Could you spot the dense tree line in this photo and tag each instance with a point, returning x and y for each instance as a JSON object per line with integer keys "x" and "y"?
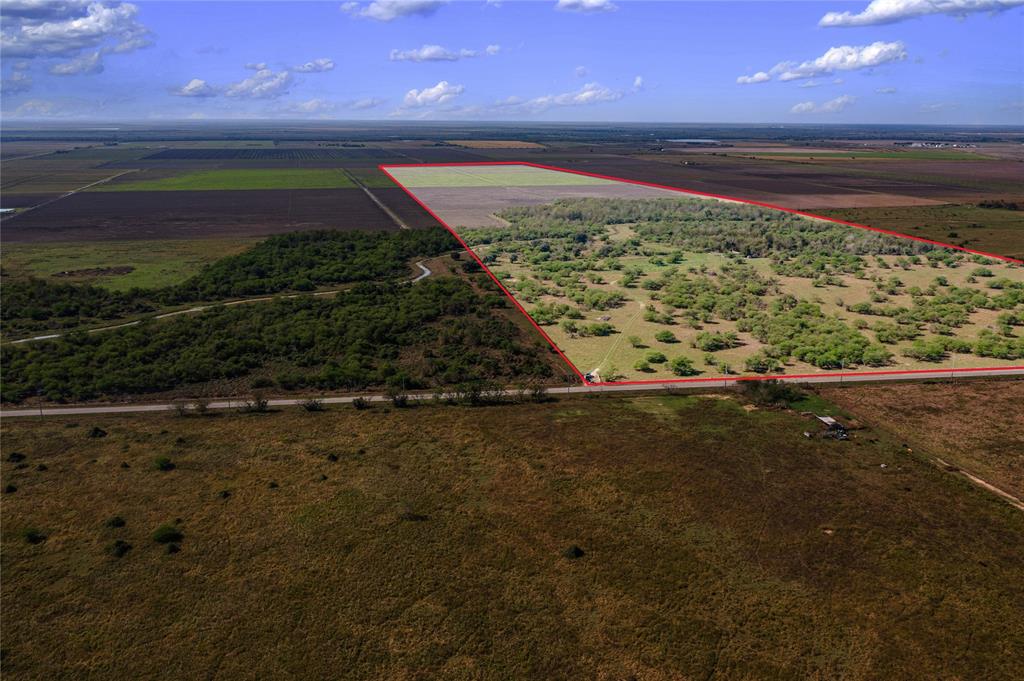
{"x": 440, "y": 331}
{"x": 300, "y": 261}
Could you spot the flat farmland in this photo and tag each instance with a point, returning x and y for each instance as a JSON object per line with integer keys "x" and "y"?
{"x": 115, "y": 216}
{"x": 638, "y": 283}
{"x": 236, "y": 179}
{"x": 995, "y": 230}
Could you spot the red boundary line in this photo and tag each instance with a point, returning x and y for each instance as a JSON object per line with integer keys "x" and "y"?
{"x": 901, "y": 372}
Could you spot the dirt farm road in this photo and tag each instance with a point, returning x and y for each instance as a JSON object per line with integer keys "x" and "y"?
{"x": 607, "y": 388}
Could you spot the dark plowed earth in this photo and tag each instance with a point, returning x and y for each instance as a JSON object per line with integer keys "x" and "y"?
{"x": 102, "y": 216}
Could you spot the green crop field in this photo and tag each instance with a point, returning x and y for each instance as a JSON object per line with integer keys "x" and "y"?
{"x": 241, "y": 178}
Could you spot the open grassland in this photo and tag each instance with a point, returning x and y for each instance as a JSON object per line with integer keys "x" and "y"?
{"x": 117, "y": 265}
{"x": 972, "y": 424}
{"x": 993, "y": 230}
{"x": 429, "y": 543}
{"x": 239, "y": 179}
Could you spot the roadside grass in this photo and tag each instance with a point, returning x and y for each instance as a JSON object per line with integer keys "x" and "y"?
{"x": 715, "y": 541}
{"x": 992, "y": 230}
{"x": 238, "y": 179}
{"x": 154, "y": 263}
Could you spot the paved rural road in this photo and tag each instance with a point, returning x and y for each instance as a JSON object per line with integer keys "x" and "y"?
{"x": 611, "y": 388}
{"x": 424, "y": 273}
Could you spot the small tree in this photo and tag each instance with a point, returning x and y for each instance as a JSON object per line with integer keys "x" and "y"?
{"x": 665, "y": 337}
{"x": 312, "y": 404}
{"x": 682, "y": 366}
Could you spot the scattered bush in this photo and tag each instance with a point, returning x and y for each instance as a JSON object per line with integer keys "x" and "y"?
{"x": 33, "y": 536}
{"x": 312, "y": 404}
{"x": 167, "y": 534}
{"x": 771, "y": 393}
{"x": 119, "y": 548}
{"x": 361, "y": 403}
{"x": 115, "y": 521}
{"x": 164, "y": 463}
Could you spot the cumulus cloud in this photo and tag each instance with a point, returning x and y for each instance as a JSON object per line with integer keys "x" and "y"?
{"x": 264, "y": 84}
{"x": 256, "y": 65}
{"x": 586, "y": 6}
{"x": 33, "y": 28}
{"x": 195, "y": 88}
{"x": 441, "y": 93}
{"x": 39, "y": 108}
{"x": 759, "y": 77}
{"x": 18, "y": 82}
{"x": 891, "y": 11}
{"x": 638, "y": 84}
{"x": 886, "y": 90}
{"x": 315, "y": 66}
{"x": 842, "y": 58}
{"x": 389, "y": 10}
{"x": 831, "y": 106}
{"x": 90, "y": 62}
{"x": 581, "y": 72}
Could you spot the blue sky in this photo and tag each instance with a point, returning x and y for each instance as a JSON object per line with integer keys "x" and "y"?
{"x": 888, "y": 61}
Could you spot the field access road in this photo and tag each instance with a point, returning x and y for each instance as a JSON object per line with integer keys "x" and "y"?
{"x": 424, "y": 273}
{"x": 601, "y": 389}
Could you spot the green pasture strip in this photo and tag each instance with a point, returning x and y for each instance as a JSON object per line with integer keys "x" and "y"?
{"x": 239, "y": 179}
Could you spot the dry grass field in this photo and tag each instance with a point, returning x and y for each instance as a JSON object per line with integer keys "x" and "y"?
{"x": 973, "y": 424}
{"x": 431, "y": 543}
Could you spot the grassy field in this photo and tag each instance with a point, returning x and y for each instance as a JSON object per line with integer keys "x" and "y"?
{"x": 429, "y": 543}
{"x": 993, "y": 230}
{"x": 153, "y": 265}
{"x": 972, "y": 424}
{"x": 486, "y": 176}
{"x": 238, "y": 178}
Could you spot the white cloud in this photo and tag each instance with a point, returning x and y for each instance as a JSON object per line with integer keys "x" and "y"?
{"x": 195, "y": 88}
{"x": 439, "y": 53}
{"x": 366, "y": 103}
{"x": 18, "y": 82}
{"x": 315, "y": 66}
{"x": 842, "y": 58}
{"x": 581, "y": 72}
{"x": 264, "y": 84}
{"x": 389, "y": 10}
{"x": 441, "y": 93}
{"x": 891, "y": 11}
{"x": 34, "y": 28}
{"x": 256, "y": 65}
{"x": 591, "y": 93}
{"x": 886, "y": 90}
{"x": 39, "y": 108}
{"x": 310, "y": 107}
{"x": 586, "y": 6}
{"x": 85, "y": 63}
{"x": 429, "y": 53}
{"x": 759, "y": 77}
{"x": 810, "y": 83}
{"x": 638, "y": 84}
{"x": 831, "y": 106}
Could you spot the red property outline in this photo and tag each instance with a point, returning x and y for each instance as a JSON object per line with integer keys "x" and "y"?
{"x": 901, "y": 372}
